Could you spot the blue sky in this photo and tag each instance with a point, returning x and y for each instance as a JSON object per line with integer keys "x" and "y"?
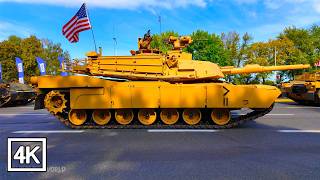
{"x": 128, "y": 19}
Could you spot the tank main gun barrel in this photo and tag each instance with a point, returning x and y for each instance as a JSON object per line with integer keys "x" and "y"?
{"x": 255, "y": 68}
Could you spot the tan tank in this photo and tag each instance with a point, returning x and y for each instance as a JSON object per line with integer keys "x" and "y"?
{"x": 304, "y": 89}
{"x": 160, "y": 91}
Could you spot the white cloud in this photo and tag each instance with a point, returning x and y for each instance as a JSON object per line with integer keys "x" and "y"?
{"x": 272, "y": 4}
{"x": 278, "y": 15}
{"x": 316, "y": 6}
{"x": 119, "y": 4}
{"x": 7, "y": 29}
{"x": 246, "y": 1}
{"x": 252, "y": 14}
{"x": 277, "y": 4}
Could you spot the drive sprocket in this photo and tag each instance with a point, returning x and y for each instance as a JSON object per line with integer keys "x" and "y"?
{"x": 55, "y": 102}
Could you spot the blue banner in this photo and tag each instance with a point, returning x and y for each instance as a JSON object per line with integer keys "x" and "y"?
{"x": 42, "y": 66}
{"x": 62, "y": 66}
{"x": 0, "y": 72}
{"x": 19, "y": 65}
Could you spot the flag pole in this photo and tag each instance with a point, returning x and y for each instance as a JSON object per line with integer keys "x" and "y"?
{"x": 94, "y": 39}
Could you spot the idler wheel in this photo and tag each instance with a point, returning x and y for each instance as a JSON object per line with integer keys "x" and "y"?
{"x": 147, "y": 116}
{"x": 191, "y": 116}
{"x": 101, "y": 116}
{"x": 221, "y": 116}
{"x": 77, "y": 116}
{"x": 124, "y": 116}
{"x": 169, "y": 116}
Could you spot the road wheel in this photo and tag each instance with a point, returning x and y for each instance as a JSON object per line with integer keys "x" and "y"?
{"x": 169, "y": 116}
{"x": 77, "y": 116}
{"x": 191, "y": 116}
{"x": 221, "y": 116}
{"x": 101, "y": 117}
{"x": 147, "y": 116}
{"x": 124, "y": 116}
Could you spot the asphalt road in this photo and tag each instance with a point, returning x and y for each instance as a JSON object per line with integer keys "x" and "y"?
{"x": 284, "y": 144}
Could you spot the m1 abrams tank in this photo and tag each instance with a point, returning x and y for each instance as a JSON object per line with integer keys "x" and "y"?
{"x": 13, "y": 94}
{"x": 160, "y": 90}
{"x": 304, "y": 89}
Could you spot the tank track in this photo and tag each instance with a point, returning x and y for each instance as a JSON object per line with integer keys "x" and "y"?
{"x": 5, "y": 100}
{"x": 235, "y": 122}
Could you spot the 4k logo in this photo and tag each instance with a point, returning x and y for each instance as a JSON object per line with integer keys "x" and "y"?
{"x": 27, "y": 154}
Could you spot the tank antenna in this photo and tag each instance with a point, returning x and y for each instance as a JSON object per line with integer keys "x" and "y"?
{"x": 94, "y": 40}
{"x": 159, "y": 20}
{"x": 114, "y": 42}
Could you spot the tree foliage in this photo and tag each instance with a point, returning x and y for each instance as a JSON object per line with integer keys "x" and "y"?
{"x": 236, "y": 47}
{"x": 159, "y": 41}
{"x": 28, "y": 49}
{"x": 306, "y": 40}
{"x": 50, "y": 54}
{"x": 205, "y": 46}
{"x": 208, "y": 47}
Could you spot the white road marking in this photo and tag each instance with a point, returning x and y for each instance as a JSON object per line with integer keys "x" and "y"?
{"x": 113, "y": 134}
{"x": 32, "y": 114}
{"x": 48, "y": 132}
{"x": 159, "y": 131}
{"x": 280, "y": 114}
{"x": 181, "y": 130}
{"x": 299, "y": 107}
{"x": 298, "y": 131}
{"x": 270, "y": 114}
{"x": 25, "y": 107}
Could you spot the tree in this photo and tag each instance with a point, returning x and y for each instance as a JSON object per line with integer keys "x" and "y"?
{"x": 300, "y": 37}
{"x": 208, "y": 47}
{"x": 236, "y": 47}
{"x": 50, "y": 54}
{"x": 315, "y": 36}
{"x": 31, "y": 48}
{"x": 280, "y": 52}
{"x": 159, "y": 41}
{"x": 28, "y": 49}
{"x": 302, "y": 40}
{"x": 9, "y": 49}
{"x": 205, "y": 46}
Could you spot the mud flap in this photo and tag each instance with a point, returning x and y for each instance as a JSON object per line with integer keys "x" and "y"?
{"x": 39, "y": 102}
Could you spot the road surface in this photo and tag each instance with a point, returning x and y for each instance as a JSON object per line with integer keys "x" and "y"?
{"x": 285, "y": 144}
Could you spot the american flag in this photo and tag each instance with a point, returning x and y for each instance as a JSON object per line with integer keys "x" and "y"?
{"x": 79, "y": 22}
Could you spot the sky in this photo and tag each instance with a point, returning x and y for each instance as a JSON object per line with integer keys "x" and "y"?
{"x": 126, "y": 20}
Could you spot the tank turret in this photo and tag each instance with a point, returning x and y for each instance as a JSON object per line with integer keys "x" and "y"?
{"x": 172, "y": 66}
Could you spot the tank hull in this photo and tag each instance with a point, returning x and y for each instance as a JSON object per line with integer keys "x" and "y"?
{"x": 11, "y": 95}
{"x": 302, "y": 92}
{"x": 92, "y": 94}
